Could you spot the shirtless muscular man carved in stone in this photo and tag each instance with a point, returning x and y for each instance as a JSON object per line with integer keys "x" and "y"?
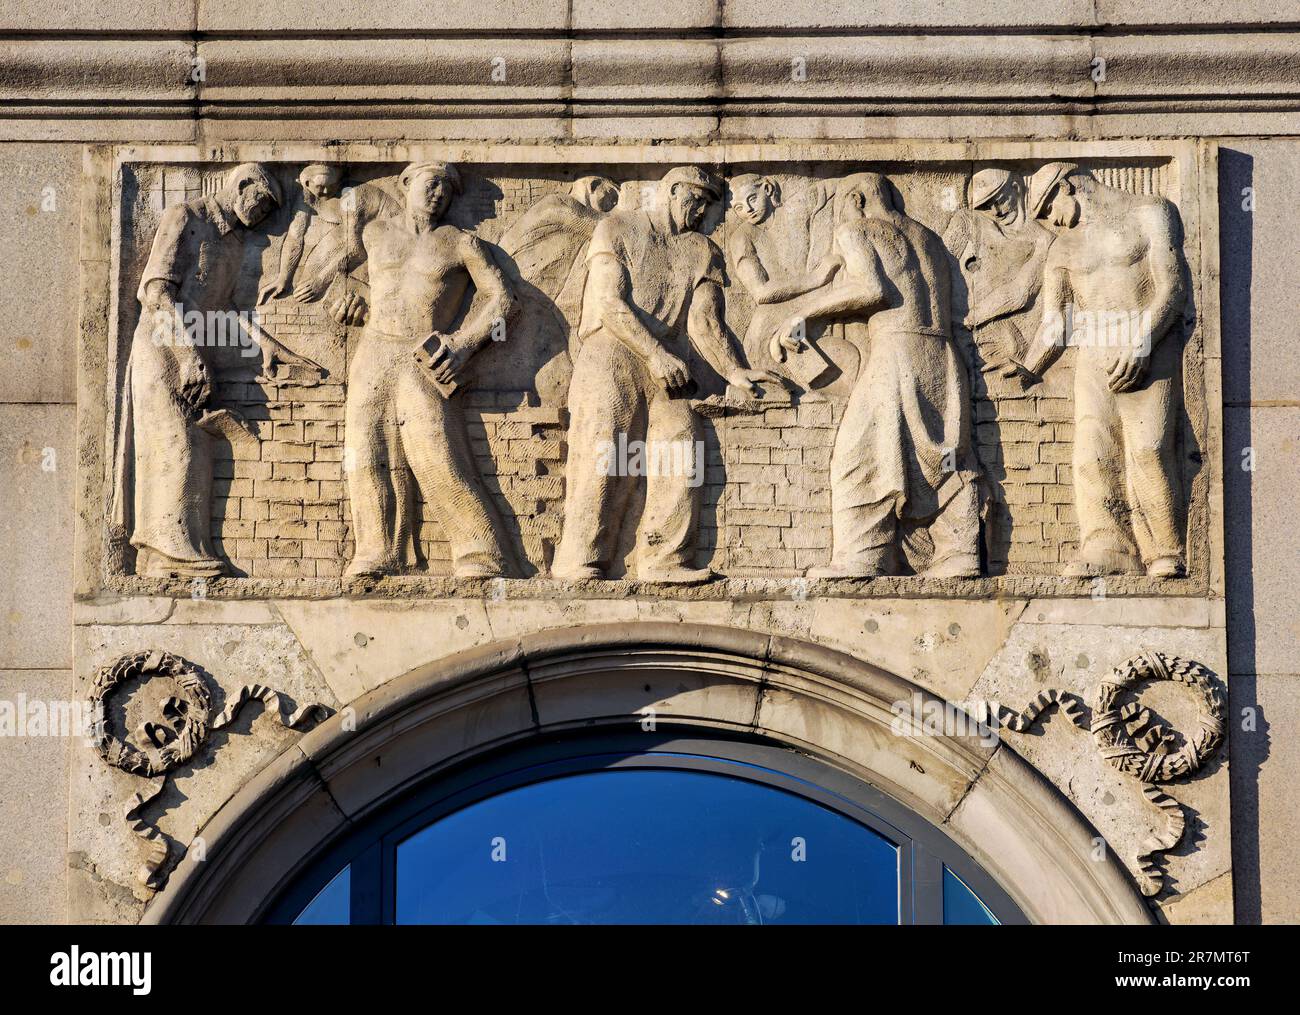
{"x": 1115, "y": 285}
{"x": 399, "y": 413}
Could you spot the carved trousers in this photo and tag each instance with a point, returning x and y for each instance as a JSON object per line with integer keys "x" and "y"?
{"x": 1124, "y": 469}
{"x": 396, "y": 418}
{"x": 902, "y": 458}
{"x": 613, "y": 394}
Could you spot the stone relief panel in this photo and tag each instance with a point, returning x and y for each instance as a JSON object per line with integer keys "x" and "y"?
{"x": 359, "y": 375}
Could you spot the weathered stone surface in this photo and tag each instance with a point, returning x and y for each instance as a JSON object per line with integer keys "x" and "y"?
{"x": 39, "y": 213}
{"x": 1263, "y": 567}
{"x": 34, "y": 779}
{"x": 1259, "y": 181}
{"x": 1265, "y": 819}
{"x": 37, "y": 450}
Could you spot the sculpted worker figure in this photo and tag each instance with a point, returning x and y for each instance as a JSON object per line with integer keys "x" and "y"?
{"x": 1115, "y": 285}
{"x": 755, "y": 200}
{"x": 652, "y": 283}
{"x": 1001, "y": 249}
{"x": 193, "y": 269}
{"x": 399, "y": 412}
{"x": 902, "y": 454}
{"x": 546, "y": 247}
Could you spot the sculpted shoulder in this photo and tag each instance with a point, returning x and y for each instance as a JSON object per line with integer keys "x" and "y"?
{"x": 1157, "y": 216}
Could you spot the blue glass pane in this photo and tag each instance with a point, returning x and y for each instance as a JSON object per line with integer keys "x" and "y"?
{"x": 333, "y": 903}
{"x": 646, "y": 846}
{"x": 960, "y": 904}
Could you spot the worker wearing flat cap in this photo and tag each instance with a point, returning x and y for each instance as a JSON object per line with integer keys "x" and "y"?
{"x": 1001, "y": 249}
{"x": 653, "y": 292}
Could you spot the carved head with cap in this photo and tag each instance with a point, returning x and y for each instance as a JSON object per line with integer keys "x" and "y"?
{"x": 686, "y": 192}
{"x": 429, "y": 188}
{"x": 320, "y": 182}
{"x": 1000, "y": 194}
{"x": 595, "y": 192}
{"x": 1059, "y": 193}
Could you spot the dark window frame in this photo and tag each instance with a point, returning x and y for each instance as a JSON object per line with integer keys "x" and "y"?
{"x": 371, "y": 847}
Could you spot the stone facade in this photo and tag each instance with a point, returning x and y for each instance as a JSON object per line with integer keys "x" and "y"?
{"x": 845, "y": 261}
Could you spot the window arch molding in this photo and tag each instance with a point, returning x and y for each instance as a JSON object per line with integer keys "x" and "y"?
{"x": 1012, "y": 822}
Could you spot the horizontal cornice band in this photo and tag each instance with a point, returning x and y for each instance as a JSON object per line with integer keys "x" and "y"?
{"x": 839, "y": 75}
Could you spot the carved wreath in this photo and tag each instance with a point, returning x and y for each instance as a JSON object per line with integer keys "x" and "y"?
{"x": 187, "y": 717}
{"x": 1130, "y": 743}
{"x": 168, "y": 745}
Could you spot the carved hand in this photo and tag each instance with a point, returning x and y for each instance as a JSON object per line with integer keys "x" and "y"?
{"x": 313, "y": 287}
{"x": 348, "y": 308}
{"x": 194, "y": 381}
{"x": 1128, "y": 367}
{"x": 447, "y": 362}
{"x": 301, "y": 369}
{"x": 670, "y": 371}
{"x": 272, "y": 290}
{"x": 750, "y": 379}
{"x": 783, "y": 339}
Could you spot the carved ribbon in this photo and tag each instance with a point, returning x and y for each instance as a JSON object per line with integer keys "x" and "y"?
{"x": 172, "y": 743}
{"x": 1129, "y": 742}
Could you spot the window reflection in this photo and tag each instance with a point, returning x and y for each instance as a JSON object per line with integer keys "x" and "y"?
{"x": 647, "y": 846}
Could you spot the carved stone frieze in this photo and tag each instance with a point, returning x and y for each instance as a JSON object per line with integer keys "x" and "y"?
{"x": 935, "y": 371}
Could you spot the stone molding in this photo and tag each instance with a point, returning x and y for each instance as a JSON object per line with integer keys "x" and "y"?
{"x": 574, "y": 82}
{"x": 1019, "y": 827}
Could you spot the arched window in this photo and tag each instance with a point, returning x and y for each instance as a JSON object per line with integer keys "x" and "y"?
{"x": 646, "y": 828}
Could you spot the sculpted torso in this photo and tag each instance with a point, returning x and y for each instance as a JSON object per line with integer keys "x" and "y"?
{"x": 1104, "y": 259}
{"x": 417, "y": 281}
{"x": 909, "y": 268}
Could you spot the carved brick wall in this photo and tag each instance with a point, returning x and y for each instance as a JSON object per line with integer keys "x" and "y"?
{"x": 280, "y": 510}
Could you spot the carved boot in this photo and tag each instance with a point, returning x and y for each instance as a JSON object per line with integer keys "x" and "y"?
{"x": 1166, "y": 567}
{"x": 957, "y": 565}
{"x": 152, "y": 563}
{"x": 834, "y": 570}
{"x": 362, "y": 567}
{"x": 582, "y": 572}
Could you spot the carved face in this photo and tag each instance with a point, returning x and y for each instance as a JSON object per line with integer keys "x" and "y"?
{"x": 320, "y": 186}
{"x": 253, "y": 203}
{"x": 1064, "y": 209}
{"x": 429, "y": 193}
{"x": 1007, "y": 205}
{"x": 603, "y": 196}
{"x": 753, "y": 203}
{"x": 687, "y": 205}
